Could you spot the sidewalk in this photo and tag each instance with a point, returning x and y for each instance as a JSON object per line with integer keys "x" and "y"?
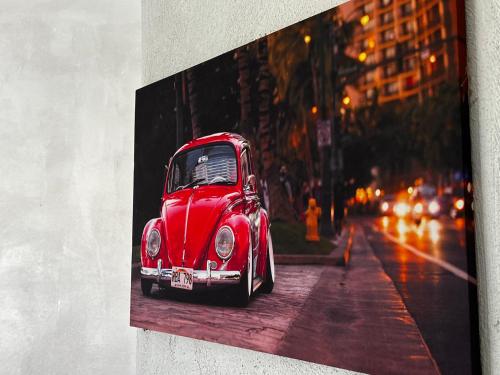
{"x": 356, "y": 319}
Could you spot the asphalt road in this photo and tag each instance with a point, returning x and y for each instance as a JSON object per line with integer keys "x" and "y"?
{"x": 433, "y": 271}
{"x": 350, "y": 317}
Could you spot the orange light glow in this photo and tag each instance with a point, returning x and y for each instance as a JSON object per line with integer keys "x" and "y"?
{"x": 307, "y": 39}
{"x": 346, "y": 100}
{"x": 314, "y": 110}
{"x": 402, "y": 229}
{"x": 371, "y": 43}
{"x": 432, "y": 59}
{"x": 364, "y": 20}
{"x": 459, "y": 204}
{"x": 385, "y": 222}
{"x": 362, "y": 56}
{"x": 434, "y": 231}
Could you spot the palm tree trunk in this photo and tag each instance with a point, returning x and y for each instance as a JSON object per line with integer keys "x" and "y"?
{"x": 194, "y": 104}
{"x": 245, "y": 86}
{"x": 280, "y": 208}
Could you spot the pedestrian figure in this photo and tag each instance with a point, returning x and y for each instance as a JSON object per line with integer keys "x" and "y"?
{"x": 312, "y": 214}
{"x": 286, "y": 182}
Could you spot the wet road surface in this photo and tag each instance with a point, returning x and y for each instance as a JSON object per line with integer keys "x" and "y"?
{"x": 431, "y": 267}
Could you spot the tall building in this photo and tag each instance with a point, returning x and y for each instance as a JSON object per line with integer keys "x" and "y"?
{"x": 412, "y": 45}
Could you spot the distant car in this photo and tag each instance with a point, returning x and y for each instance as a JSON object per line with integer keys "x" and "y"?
{"x": 454, "y": 201}
{"x": 387, "y": 203}
{"x": 424, "y": 203}
{"x": 212, "y": 231}
{"x": 394, "y": 205}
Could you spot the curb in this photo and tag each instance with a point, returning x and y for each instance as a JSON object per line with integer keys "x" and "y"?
{"x": 334, "y": 259}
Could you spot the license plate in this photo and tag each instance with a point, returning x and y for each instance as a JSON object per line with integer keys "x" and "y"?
{"x": 182, "y": 278}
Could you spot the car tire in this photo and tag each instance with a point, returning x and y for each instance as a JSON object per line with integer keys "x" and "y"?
{"x": 268, "y": 285}
{"x": 245, "y": 287}
{"x": 146, "y": 286}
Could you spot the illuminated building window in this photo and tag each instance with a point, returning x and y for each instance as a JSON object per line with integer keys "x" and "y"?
{"x": 386, "y": 18}
{"x": 388, "y": 35}
{"x": 370, "y": 76}
{"x": 391, "y": 88}
{"x": 367, "y": 8}
{"x": 389, "y": 52}
{"x": 385, "y": 3}
{"x": 370, "y": 93}
{"x": 406, "y": 28}
{"x": 390, "y": 70}
{"x": 405, "y": 9}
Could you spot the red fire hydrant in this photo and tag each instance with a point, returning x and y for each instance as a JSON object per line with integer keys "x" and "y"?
{"x": 312, "y": 215}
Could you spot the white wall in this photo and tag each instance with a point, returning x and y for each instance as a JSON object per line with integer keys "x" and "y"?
{"x": 483, "y": 31}
{"x": 68, "y": 71}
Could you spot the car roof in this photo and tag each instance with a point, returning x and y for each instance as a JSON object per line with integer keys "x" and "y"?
{"x": 236, "y": 139}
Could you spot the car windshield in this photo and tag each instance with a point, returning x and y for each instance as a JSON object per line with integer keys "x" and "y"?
{"x": 211, "y": 164}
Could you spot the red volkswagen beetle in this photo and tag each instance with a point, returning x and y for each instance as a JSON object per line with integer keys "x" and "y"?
{"x": 212, "y": 231}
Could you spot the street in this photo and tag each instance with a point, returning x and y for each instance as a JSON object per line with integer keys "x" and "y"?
{"x": 429, "y": 266}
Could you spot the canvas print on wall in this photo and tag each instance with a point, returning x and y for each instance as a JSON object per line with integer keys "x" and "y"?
{"x": 309, "y": 194}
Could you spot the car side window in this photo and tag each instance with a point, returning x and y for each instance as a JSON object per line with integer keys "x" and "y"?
{"x": 244, "y": 167}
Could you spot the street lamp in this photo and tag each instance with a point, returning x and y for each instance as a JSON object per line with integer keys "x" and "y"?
{"x": 364, "y": 20}
{"x": 346, "y": 100}
{"x": 314, "y": 109}
{"x": 362, "y": 56}
{"x": 307, "y": 39}
{"x": 432, "y": 59}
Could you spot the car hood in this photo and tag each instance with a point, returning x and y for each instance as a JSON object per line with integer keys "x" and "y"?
{"x": 190, "y": 219}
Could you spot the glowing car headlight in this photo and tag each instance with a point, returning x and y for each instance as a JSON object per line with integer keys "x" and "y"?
{"x": 434, "y": 208}
{"x": 153, "y": 244}
{"x": 419, "y": 208}
{"x": 384, "y": 207}
{"x": 224, "y": 242}
{"x": 459, "y": 204}
{"x": 401, "y": 209}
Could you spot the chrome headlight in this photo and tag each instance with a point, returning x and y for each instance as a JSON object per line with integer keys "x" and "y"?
{"x": 153, "y": 243}
{"x": 224, "y": 242}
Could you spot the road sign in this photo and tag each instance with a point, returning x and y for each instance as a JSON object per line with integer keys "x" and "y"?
{"x": 324, "y": 133}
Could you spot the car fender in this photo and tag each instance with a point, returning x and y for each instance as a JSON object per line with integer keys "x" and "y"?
{"x": 264, "y": 229}
{"x": 240, "y": 226}
{"x": 147, "y": 261}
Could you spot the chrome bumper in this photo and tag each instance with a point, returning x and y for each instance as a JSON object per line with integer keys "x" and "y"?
{"x": 207, "y": 277}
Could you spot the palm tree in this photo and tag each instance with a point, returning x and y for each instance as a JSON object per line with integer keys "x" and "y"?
{"x": 280, "y": 208}
{"x": 194, "y": 103}
{"x": 243, "y": 59}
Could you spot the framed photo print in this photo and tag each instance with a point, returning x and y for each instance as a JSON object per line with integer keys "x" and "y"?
{"x": 309, "y": 194}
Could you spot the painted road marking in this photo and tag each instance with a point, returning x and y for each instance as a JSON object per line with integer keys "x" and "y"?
{"x": 447, "y": 266}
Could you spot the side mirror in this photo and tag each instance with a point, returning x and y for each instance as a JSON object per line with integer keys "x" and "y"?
{"x": 251, "y": 184}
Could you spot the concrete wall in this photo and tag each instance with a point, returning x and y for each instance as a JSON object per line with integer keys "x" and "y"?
{"x": 68, "y": 71}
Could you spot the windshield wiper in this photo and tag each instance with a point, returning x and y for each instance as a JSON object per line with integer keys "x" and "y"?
{"x": 192, "y": 183}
